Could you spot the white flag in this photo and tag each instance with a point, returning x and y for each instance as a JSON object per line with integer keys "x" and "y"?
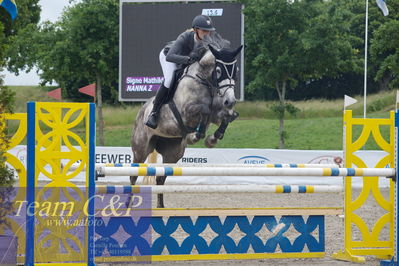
{"x": 397, "y": 96}
{"x": 349, "y": 101}
{"x": 383, "y": 6}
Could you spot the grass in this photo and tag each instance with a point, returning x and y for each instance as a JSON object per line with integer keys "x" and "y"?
{"x": 317, "y": 126}
{"x": 120, "y": 116}
{"x": 24, "y": 94}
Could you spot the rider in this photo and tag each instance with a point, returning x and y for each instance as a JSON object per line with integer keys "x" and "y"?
{"x": 179, "y": 54}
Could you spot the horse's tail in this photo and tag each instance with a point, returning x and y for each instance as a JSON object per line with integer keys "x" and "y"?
{"x": 152, "y": 158}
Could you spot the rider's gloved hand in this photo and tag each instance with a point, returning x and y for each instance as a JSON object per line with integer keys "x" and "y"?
{"x": 193, "y": 57}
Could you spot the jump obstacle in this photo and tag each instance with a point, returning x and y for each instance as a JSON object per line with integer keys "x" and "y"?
{"x": 44, "y": 148}
{"x": 240, "y": 171}
{"x": 98, "y": 166}
{"x": 218, "y": 189}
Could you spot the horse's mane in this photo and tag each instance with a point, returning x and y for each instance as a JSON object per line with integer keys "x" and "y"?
{"x": 214, "y": 39}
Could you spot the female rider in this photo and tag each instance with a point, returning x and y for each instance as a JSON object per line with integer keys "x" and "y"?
{"x": 179, "y": 54}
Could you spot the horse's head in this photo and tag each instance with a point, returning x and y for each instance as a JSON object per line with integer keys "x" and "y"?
{"x": 224, "y": 73}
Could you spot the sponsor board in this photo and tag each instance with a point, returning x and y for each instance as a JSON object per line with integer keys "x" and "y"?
{"x": 253, "y": 159}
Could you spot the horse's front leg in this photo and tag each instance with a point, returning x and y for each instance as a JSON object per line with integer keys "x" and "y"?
{"x": 204, "y": 113}
{"x": 211, "y": 140}
{"x": 199, "y": 133}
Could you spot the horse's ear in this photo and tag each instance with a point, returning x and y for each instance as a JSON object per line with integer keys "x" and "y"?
{"x": 214, "y": 51}
{"x": 237, "y": 51}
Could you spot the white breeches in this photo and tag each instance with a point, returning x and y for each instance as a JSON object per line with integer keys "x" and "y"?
{"x": 167, "y": 68}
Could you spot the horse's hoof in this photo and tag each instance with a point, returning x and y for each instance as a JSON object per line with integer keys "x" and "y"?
{"x": 192, "y": 139}
{"x": 189, "y": 141}
{"x": 210, "y": 141}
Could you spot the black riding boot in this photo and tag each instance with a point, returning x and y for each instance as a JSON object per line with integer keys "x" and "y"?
{"x": 152, "y": 121}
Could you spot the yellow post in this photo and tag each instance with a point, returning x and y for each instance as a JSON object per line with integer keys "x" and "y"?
{"x": 61, "y": 199}
{"x": 370, "y": 242}
{"x": 20, "y": 170}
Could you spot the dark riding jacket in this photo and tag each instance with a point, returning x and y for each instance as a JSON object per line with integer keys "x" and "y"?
{"x": 178, "y": 51}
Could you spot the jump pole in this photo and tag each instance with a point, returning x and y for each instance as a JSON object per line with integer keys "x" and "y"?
{"x": 239, "y": 171}
{"x": 187, "y": 189}
{"x": 276, "y": 165}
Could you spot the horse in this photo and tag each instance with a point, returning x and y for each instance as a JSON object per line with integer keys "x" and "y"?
{"x": 204, "y": 95}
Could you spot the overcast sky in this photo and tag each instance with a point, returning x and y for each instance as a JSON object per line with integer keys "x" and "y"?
{"x": 51, "y": 10}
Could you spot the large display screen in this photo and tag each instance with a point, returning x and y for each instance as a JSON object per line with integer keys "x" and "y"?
{"x": 146, "y": 27}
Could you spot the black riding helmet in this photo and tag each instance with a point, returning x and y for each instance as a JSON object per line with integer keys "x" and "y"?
{"x": 203, "y": 22}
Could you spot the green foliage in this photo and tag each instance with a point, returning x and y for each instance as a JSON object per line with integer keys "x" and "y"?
{"x": 385, "y": 49}
{"x": 318, "y": 46}
{"x": 323, "y": 41}
{"x": 3, "y": 45}
{"x": 317, "y": 133}
{"x": 28, "y": 17}
{"x": 318, "y": 124}
{"x": 28, "y": 13}
{"x": 280, "y": 109}
{"x": 295, "y": 41}
{"x": 73, "y": 51}
{"x": 6, "y": 174}
{"x": 6, "y": 106}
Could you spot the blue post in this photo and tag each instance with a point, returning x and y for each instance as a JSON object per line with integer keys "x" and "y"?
{"x": 92, "y": 188}
{"x": 396, "y": 236}
{"x": 30, "y": 187}
{"x": 394, "y": 260}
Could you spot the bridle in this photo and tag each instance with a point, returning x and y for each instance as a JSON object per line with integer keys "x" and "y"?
{"x": 230, "y": 75}
{"x": 213, "y": 84}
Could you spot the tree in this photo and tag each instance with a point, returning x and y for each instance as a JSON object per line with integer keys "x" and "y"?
{"x": 385, "y": 50}
{"x": 295, "y": 41}
{"x": 80, "y": 49}
{"x": 28, "y": 14}
{"x": 92, "y": 30}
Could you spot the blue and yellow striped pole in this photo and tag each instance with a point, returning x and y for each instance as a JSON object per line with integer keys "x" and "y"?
{"x": 188, "y": 189}
{"x": 240, "y": 171}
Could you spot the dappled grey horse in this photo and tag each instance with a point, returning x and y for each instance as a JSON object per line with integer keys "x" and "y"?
{"x": 204, "y": 95}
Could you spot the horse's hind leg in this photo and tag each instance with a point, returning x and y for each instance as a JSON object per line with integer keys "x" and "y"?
{"x": 140, "y": 155}
{"x": 142, "y": 143}
{"x": 172, "y": 150}
{"x": 141, "y": 150}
